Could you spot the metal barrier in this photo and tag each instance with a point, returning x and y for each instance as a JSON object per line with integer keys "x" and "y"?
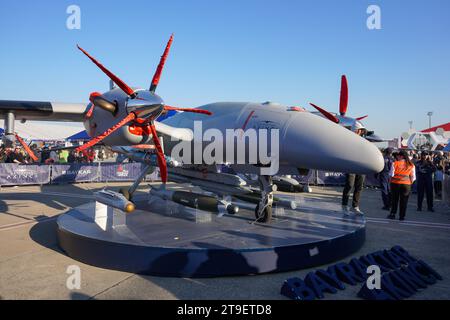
{"x": 12, "y": 174}
{"x": 16, "y": 174}
{"x": 327, "y": 178}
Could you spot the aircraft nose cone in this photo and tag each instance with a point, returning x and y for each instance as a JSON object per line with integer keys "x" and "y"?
{"x": 311, "y": 141}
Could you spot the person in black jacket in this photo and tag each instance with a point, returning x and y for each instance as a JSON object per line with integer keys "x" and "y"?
{"x": 385, "y": 179}
{"x": 45, "y": 154}
{"x": 72, "y": 158}
{"x": 15, "y": 156}
{"x": 424, "y": 172}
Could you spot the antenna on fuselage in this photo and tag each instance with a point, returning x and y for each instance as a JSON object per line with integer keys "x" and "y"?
{"x": 111, "y": 85}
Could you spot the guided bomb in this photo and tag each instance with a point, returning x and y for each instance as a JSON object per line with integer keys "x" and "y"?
{"x": 115, "y": 200}
{"x": 196, "y": 201}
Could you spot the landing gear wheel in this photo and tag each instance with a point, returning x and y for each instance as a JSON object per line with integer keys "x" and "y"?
{"x": 266, "y": 215}
{"x": 125, "y": 193}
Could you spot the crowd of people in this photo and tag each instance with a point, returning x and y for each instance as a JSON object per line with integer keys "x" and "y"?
{"x": 407, "y": 172}
{"x": 48, "y": 155}
{"x": 404, "y": 172}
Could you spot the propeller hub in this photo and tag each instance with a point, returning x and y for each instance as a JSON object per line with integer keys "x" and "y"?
{"x": 146, "y": 105}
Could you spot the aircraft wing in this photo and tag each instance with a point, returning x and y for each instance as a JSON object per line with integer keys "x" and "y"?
{"x": 43, "y": 111}
{"x": 71, "y": 112}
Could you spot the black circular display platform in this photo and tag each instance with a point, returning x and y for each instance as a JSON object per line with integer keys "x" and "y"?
{"x": 165, "y": 239}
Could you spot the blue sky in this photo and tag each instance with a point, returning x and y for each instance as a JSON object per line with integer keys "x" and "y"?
{"x": 292, "y": 52}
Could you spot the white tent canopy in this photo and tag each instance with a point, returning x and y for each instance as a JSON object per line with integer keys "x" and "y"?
{"x": 45, "y": 130}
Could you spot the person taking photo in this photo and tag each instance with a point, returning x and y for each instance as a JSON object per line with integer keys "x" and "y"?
{"x": 425, "y": 169}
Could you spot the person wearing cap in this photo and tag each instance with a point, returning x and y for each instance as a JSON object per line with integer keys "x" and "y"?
{"x": 385, "y": 179}
{"x": 403, "y": 175}
{"x": 424, "y": 171}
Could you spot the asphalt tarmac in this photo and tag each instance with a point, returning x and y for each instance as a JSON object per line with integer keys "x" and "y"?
{"x": 32, "y": 266}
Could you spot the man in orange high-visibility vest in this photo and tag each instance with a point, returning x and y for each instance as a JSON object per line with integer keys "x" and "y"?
{"x": 403, "y": 174}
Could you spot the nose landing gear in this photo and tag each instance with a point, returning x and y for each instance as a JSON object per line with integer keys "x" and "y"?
{"x": 263, "y": 211}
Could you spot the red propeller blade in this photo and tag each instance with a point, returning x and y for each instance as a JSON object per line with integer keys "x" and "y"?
{"x": 328, "y": 115}
{"x": 27, "y": 148}
{"x": 160, "y": 67}
{"x": 344, "y": 96}
{"x": 194, "y": 110}
{"x": 122, "y": 85}
{"x": 360, "y": 118}
{"x": 102, "y": 136}
{"x": 159, "y": 153}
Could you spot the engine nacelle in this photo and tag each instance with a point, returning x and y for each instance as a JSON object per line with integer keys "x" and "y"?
{"x": 113, "y": 106}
